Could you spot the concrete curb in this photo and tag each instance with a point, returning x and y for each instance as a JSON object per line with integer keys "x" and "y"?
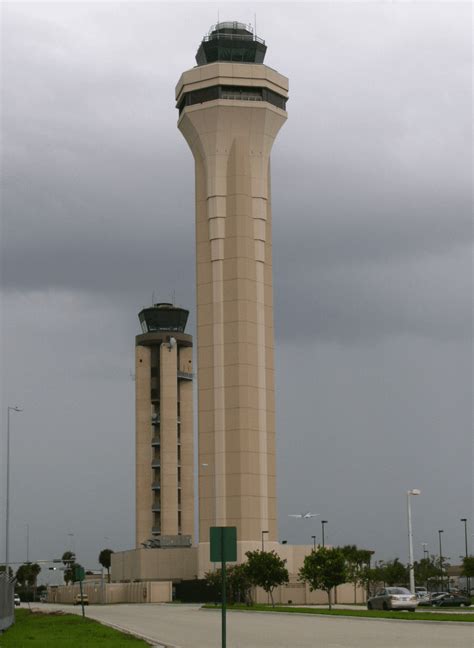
{"x": 461, "y": 624}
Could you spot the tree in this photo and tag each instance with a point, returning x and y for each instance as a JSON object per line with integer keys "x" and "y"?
{"x": 69, "y": 562}
{"x": 324, "y": 569}
{"x": 357, "y": 562}
{"x": 394, "y": 572}
{"x": 427, "y": 569}
{"x": 267, "y": 570}
{"x": 239, "y": 584}
{"x": 468, "y": 566}
{"x": 27, "y": 574}
{"x": 105, "y": 560}
{"x": 26, "y": 577}
{"x": 10, "y": 571}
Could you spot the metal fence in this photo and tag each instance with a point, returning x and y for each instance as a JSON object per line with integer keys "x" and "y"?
{"x": 7, "y": 606}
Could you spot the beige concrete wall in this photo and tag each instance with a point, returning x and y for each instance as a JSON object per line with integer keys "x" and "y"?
{"x": 231, "y": 143}
{"x": 186, "y": 443}
{"x": 155, "y": 564}
{"x": 296, "y": 593}
{"x": 169, "y": 439}
{"x": 108, "y": 593}
{"x": 143, "y": 448}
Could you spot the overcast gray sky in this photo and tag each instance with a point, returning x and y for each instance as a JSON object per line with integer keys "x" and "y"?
{"x": 372, "y": 261}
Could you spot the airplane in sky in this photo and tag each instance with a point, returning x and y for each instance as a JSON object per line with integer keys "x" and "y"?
{"x": 303, "y": 516}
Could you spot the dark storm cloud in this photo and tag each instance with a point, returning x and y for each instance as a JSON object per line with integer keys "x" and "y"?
{"x": 371, "y": 189}
{"x": 377, "y": 156}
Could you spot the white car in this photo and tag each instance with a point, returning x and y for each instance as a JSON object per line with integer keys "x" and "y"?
{"x": 393, "y": 598}
{"x": 16, "y": 600}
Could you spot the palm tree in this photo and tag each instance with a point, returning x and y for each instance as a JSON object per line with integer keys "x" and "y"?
{"x": 105, "y": 560}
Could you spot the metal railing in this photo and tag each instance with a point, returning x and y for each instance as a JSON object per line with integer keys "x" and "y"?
{"x": 7, "y": 605}
{"x": 236, "y": 37}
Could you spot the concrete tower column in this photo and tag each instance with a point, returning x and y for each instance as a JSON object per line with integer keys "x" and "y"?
{"x": 230, "y": 114}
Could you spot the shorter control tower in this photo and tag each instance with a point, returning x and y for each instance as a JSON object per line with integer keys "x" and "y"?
{"x": 164, "y": 429}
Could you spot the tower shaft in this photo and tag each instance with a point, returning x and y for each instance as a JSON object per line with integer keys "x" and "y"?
{"x": 231, "y": 133}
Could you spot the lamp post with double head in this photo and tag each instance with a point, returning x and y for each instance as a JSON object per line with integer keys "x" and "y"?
{"x": 7, "y": 520}
{"x": 411, "y": 566}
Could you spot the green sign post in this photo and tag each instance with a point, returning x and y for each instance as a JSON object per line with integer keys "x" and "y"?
{"x": 79, "y": 575}
{"x": 223, "y": 541}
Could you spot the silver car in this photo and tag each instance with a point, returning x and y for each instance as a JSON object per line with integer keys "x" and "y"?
{"x": 393, "y": 598}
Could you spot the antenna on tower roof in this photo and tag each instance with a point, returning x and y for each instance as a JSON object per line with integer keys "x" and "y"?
{"x": 153, "y": 298}
{"x": 255, "y": 24}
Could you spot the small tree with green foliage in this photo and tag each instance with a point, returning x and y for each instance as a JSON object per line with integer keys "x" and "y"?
{"x": 324, "y": 569}
{"x": 10, "y": 571}
{"x": 357, "y": 561}
{"x": 427, "y": 569}
{"x": 105, "y": 559}
{"x": 468, "y": 566}
{"x": 240, "y": 584}
{"x": 394, "y": 572}
{"x": 27, "y": 576}
{"x": 267, "y": 570}
{"x": 69, "y": 562}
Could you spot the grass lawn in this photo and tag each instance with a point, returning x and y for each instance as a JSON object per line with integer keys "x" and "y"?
{"x": 40, "y": 630}
{"x": 371, "y": 614}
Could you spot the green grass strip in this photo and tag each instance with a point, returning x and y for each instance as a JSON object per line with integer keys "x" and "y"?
{"x": 43, "y": 630}
{"x": 369, "y": 614}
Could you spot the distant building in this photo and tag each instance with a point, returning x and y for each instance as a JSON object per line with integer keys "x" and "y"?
{"x": 164, "y": 428}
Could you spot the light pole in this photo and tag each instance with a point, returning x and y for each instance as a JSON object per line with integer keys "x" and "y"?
{"x": 411, "y": 567}
{"x": 263, "y": 544}
{"x": 7, "y": 521}
{"x": 323, "y": 522}
{"x": 314, "y": 542}
{"x": 468, "y": 580}
{"x": 440, "y": 531}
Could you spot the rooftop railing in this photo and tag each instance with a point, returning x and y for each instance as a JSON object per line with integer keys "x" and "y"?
{"x": 236, "y": 37}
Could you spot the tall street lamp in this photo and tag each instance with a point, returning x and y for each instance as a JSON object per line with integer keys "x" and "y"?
{"x": 314, "y": 542}
{"x": 440, "y": 531}
{"x": 468, "y": 580}
{"x": 263, "y": 543}
{"x": 411, "y": 566}
{"x": 7, "y": 521}
{"x": 323, "y": 522}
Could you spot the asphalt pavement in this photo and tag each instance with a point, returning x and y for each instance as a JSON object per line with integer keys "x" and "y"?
{"x": 189, "y": 626}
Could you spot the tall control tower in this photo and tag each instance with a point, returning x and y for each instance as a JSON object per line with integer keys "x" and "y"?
{"x": 164, "y": 428}
{"x": 231, "y": 107}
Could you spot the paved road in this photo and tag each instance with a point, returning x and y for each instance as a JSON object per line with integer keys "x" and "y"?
{"x": 187, "y": 626}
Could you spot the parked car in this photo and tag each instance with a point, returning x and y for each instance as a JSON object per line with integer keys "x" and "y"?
{"x": 16, "y": 600}
{"x": 452, "y": 600}
{"x": 393, "y": 598}
{"x": 85, "y": 599}
{"x": 43, "y": 597}
{"x": 421, "y": 592}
